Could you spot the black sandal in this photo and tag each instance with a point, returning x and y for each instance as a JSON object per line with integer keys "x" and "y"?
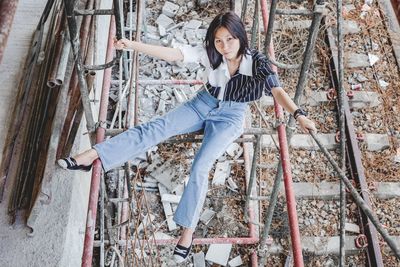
{"x": 69, "y": 163}
{"x": 181, "y": 253}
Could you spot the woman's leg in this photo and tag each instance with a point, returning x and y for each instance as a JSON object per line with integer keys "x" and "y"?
{"x": 133, "y": 142}
{"x": 87, "y": 157}
{"x": 218, "y": 135}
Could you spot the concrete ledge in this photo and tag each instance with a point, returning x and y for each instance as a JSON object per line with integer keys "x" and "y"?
{"x": 327, "y": 245}
{"x": 373, "y": 142}
{"x": 361, "y": 99}
{"x": 331, "y": 190}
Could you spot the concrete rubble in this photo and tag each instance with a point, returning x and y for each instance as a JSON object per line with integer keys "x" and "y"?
{"x": 219, "y": 253}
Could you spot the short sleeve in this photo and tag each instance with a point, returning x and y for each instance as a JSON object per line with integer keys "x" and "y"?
{"x": 264, "y": 72}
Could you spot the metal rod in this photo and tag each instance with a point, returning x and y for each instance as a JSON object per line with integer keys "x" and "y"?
{"x": 268, "y": 38}
{"x": 62, "y": 67}
{"x": 73, "y": 31}
{"x": 244, "y": 10}
{"x": 252, "y": 239}
{"x": 23, "y": 97}
{"x": 342, "y": 215}
{"x": 91, "y": 12}
{"x": 59, "y": 39}
{"x": 284, "y": 155}
{"x": 299, "y": 92}
{"x": 255, "y": 26}
{"x": 135, "y": 118}
{"x": 161, "y": 82}
{"x": 100, "y": 135}
{"x": 253, "y": 172}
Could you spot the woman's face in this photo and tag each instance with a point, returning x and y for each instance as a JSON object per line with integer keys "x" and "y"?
{"x": 226, "y": 44}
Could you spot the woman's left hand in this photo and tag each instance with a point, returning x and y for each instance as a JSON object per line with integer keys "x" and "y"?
{"x": 306, "y": 125}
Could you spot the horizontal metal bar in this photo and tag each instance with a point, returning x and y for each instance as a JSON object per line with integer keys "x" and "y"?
{"x": 247, "y": 131}
{"x": 90, "y": 12}
{"x": 292, "y": 12}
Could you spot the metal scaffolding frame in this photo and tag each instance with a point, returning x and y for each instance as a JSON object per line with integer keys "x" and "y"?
{"x": 129, "y": 197}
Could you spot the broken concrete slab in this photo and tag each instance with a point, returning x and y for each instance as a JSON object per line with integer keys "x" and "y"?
{"x": 207, "y": 216}
{"x": 219, "y": 253}
{"x": 170, "y": 198}
{"x": 164, "y": 21}
{"x": 352, "y": 228}
{"x": 328, "y": 245}
{"x": 350, "y": 27}
{"x": 167, "y": 175}
{"x": 237, "y": 261}
{"x": 302, "y": 141}
{"x": 293, "y": 25}
{"x": 355, "y": 60}
{"x": 170, "y": 9}
{"x": 377, "y": 142}
{"x": 324, "y": 190}
{"x": 222, "y": 172}
{"x": 162, "y": 236}
{"x": 167, "y": 209}
{"x": 388, "y": 190}
{"x": 234, "y": 150}
{"x": 232, "y": 185}
{"x": 193, "y": 25}
{"x": 362, "y": 99}
{"x": 199, "y": 260}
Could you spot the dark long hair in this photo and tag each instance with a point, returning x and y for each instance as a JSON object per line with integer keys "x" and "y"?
{"x": 235, "y": 26}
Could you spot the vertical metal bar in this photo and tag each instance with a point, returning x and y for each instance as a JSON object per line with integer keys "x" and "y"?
{"x": 135, "y": 71}
{"x": 271, "y": 20}
{"x": 255, "y": 26}
{"x": 284, "y": 154}
{"x": 299, "y": 92}
{"x": 73, "y": 31}
{"x": 100, "y": 134}
{"x": 244, "y": 10}
{"x": 102, "y": 193}
{"x": 342, "y": 216}
{"x": 253, "y": 173}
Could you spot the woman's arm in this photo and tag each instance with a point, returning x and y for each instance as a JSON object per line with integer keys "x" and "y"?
{"x": 287, "y": 103}
{"x": 161, "y": 52}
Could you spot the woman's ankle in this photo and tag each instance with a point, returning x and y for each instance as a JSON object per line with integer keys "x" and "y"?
{"x": 86, "y": 158}
{"x": 186, "y": 237}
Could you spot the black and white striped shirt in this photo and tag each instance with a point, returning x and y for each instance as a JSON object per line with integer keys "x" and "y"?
{"x": 253, "y": 78}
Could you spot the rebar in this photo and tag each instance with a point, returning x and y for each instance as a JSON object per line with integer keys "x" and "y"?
{"x": 74, "y": 38}
{"x": 341, "y": 94}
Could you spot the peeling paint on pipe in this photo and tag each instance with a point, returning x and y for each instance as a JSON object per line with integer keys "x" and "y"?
{"x": 7, "y": 13}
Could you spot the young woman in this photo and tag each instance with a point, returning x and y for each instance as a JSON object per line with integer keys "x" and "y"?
{"x": 235, "y": 75}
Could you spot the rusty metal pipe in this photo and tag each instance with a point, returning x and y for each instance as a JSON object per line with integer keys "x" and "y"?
{"x": 284, "y": 157}
{"x": 62, "y": 66}
{"x": 7, "y": 13}
{"x": 100, "y": 135}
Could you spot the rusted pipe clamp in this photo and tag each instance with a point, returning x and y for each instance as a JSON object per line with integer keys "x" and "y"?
{"x": 361, "y": 241}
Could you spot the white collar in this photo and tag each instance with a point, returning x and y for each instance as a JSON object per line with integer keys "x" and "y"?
{"x": 245, "y": 67}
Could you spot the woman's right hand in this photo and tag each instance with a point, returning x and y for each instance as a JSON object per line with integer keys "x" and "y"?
{"x": 122, "y": 43}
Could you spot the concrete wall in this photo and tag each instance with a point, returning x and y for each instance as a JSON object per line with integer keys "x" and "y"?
{"x": 58, "y": 236}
